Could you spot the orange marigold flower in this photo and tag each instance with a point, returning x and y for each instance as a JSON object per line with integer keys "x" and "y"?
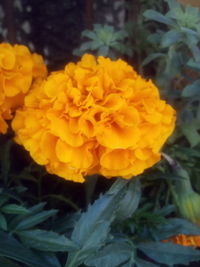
{"x": 18, "y": 69}
{"x": 185, "y": 240}
{"x": 94, "y": 117}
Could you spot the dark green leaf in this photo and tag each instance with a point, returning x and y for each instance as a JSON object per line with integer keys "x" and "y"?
{"x": 152, "y": 57}
{"x": 14, "y": 209}
{"x": 143, "y": 263}
{"x": 169, "y": 253}
{"x": 46, "y": 240}
{"x": 11, "y": 248}
{"x": 3, "y": 223}
{"x": 111, "y": 256}
{"x": 7, "y": 263}
{"x": 35, "y": 219}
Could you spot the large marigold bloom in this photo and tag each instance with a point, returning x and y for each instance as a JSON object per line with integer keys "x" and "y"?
{"x": 94, "y": 117}
{"x": 18, "y": 69}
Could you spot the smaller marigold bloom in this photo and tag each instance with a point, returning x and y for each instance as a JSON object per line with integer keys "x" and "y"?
{"x": 18, "y": 70}
{"x": 185, "y": 240}
{"x": 96, "y": 116}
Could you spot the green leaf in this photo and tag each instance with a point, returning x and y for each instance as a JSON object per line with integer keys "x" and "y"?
{"x": 103, "y": 51}
{"x": 86, "y": 46}
{"x": 169, "y": 253}
{"x": 191, "y": 133}
{"x": 92, "y": 229}
{"x": 3, "y": 223}
{"x": 130, "y": 201}
{"x": 35, "y": 219}
{"x": 173, "y": 4}
{"x": 194, "y": 65}
{"x": 96, "y": 44}
{"x": 143, "y": 263}
{"x": 156, "y": 16}
{"x": 111, "y": 256}
{"x": 11, "y": 248}
{"x": 89, "y": 34}
{"x": 192, "y": 90}
{"x": 175, "y": 226}
{"x": 170, "y": 37}
{"x": 152, "y": 57}
{"x": 46, "y": 240}
{"x": 14, "y": 209}
{"x": 7, "y": 263}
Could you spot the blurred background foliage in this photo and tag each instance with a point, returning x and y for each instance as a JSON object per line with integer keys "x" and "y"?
{"x": 38, "y": 211}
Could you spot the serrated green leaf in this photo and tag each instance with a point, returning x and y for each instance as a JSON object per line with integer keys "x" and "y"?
{"x": 93, "y": 226}
{"x": 111, "y": 256}
{"x": 170, "y": 37}
{"x": 156, "y": 16}
{"x": 35, "y": 219}
{"x": 169, "y": 253}
{"x": 3, "y": 223}
{"x": 14, "y": 209}
{"x": 7, "y": 263}
{"x": 11, "y": 248}
{"x": 46, "y": 240}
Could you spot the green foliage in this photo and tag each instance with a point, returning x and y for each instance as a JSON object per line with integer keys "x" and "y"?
{"x": 125, "y": 226}
{"x": 104, "y": 41}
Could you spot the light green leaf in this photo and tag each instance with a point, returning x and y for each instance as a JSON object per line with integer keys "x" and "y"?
{"x": 46, "y": 240}
{"x": 111, "y": 256}
{"x": 156, "y": 16}
{"x": 35, "y": 219}
{"x": 3, "y": 223}
{"x": 170, "y": 38}
{"x": 14, "y": 209}
{"x": 169, "y": 253}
